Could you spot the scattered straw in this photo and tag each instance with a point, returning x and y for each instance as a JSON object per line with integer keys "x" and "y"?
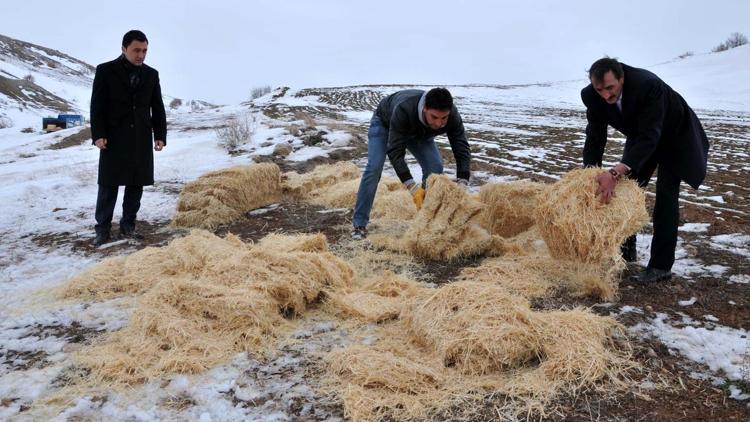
{"x": 379, "y": 299}
{"x": 210, "y": 299}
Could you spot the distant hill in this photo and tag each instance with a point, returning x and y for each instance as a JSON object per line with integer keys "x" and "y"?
{"x": 36, "y": 80}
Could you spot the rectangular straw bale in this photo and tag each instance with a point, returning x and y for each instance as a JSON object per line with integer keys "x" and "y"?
{"x": 509, "y": 207}
{"x": 298, "y": 186}
{"x": 393, "y": 205}
{"x": 446, "y": 226}
{"x": 577, "y": 226}
{"x": 222, "y": 196}
{"x": 582, "y": 349}
{"x": 477, "y": 327}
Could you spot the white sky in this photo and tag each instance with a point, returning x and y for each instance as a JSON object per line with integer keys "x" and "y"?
{"x": 218, "y": 50}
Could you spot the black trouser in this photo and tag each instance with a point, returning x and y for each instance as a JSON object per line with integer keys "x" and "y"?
{"x": 105, "y": 207}
{"x": 666, "y": 218}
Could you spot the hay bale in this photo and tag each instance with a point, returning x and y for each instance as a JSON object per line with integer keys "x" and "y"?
{"x": 576, "y": 226}
{"x": 223, "y": 196}
{"x": 298, "y": 186}
{"x": 344, "y": 194}
{"x": 478, "y": 328}
{"x": 509, "y": 207}
{"x": 446, "y": 226}
{"x": 339, "y": 195}
{"x": 582, "y": 349}
{"x": 393, "y": 205}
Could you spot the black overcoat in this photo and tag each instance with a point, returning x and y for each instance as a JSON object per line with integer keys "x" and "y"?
{"x": 130, "y": 118}
{"x": 659, "y": 126}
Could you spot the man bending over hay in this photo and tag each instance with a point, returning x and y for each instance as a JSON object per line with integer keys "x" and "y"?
{"x": 410, "y": 119}
{"x": 662, "y": 131}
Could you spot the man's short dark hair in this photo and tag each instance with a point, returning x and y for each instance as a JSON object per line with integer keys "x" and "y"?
{"x": 133, "y": 35}
{"x": 438, "y": 99}
{"x": 604, "y": 65}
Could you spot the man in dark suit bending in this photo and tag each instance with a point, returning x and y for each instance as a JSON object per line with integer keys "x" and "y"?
{"x": 662, "y": 131}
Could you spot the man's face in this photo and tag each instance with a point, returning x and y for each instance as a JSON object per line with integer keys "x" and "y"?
{"x": 436, "y": 118}
{"x": 136, "y": 52}
{"x": 609, "y": 87}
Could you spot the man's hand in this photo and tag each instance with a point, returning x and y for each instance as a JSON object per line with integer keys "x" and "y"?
{"x": 417, "y": 192}
{"x": 158, "y": 145}
{"x": 101, "y": 143}
{"x": 606, "y": 186}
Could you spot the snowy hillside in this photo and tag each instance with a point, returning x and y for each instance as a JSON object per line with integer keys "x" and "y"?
{"x": 37, "y": 81}
{"x": 689, "y": 335}
{"x": 711, "y": 80}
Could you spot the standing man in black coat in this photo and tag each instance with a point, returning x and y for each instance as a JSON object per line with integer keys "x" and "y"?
{"x": 126, "y": 111}
{"x": 662, "y": 131}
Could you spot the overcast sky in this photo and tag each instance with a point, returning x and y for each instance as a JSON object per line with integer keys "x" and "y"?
{"x": 218, "y": 50}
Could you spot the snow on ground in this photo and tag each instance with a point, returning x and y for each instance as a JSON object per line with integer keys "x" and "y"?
{"x": 719, "y": 348}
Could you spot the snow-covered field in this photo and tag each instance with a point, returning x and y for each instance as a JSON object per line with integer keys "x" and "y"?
{"x": 515, "y": 131}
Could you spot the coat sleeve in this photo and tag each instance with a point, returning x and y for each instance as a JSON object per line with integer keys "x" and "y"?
{"x": 650, "y": 121}
{"x": 596, "y": 135}
{"x": 397, "y": 147}
{"x": 460, "y": 147}
{"x": 158, "y": 115}
{"x": 99, "y": 100}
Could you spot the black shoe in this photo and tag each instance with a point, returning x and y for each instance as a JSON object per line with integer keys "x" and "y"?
{"x": 628, "y": 250}
{"x": 101, "y": 238}
{"x": 359, "y": 233}
{"x": 130, "y": 234}
{"x": 651, "y": 275}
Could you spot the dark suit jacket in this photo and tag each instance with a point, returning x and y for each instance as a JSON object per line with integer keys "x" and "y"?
{"x": 127, "y": 117}
{"x": 659, "y": 126}
{"x": 400, "y": 115}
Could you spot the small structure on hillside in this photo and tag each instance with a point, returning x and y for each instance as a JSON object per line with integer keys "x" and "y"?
{"x": 62, "y": 121}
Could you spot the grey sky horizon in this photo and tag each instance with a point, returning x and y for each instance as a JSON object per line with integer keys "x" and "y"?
{"x": 217, "y": 51}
